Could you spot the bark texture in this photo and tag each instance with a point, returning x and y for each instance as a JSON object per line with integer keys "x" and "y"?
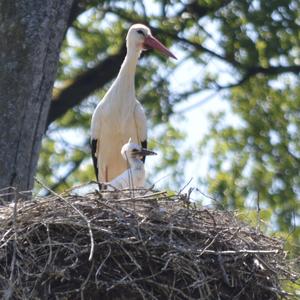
{"x": 31, "y": 32}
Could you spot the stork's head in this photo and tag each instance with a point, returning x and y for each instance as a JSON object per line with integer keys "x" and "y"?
{"x": 133, "y": 151}
{"x": 139, "y": 38}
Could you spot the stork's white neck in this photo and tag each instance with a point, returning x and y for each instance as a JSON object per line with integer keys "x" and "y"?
{"x": 135, "y": 163}
{"x": 126, "y": 76}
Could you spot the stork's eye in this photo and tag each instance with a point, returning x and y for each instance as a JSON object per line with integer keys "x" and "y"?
{"x": 141, "y": 32}
{"x": 135, "y": 150}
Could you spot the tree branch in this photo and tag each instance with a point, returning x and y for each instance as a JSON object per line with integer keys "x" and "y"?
{"x": 78, "y": 7}
{"x": 76, "y": 165}
{"x": 92, "y": 79}
{"x": 199, "y": 11}
{"x": 84, "y": 85}
{"x": 272, "y": 70}
{"x": 89, "y": 81}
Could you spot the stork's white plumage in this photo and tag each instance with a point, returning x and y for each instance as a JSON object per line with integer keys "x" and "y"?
{"x": 119, "y": 115}
{"x": 134, "y": 176}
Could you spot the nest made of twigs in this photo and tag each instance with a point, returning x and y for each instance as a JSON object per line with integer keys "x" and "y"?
{"x": 146, "y": 245}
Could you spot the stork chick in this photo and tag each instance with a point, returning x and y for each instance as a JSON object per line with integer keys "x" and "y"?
{"x": 134, "y": 176}
{"x": 120, "y": 115}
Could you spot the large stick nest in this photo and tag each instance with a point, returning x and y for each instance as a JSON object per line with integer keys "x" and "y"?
{"x": 124, "y": 246}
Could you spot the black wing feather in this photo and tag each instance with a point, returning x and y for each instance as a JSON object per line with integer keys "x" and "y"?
{"x": 93, "y": 150}
{"x": 144, "y": 145}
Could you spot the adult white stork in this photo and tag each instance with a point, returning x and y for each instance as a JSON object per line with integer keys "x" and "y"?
{"x": 134, "y": 176}
{"x": 119, "y": 115}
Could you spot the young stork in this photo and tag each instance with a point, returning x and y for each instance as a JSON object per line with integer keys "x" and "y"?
{"x": 134, "y": 176}
{"x": 119, "y": 115}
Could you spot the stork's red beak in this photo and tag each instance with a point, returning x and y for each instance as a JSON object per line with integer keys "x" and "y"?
{"x": 154, "y": 43}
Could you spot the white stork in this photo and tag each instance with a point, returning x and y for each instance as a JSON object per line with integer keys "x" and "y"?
{"x": 134, "y": 176}
{"x": 119, "y": 115}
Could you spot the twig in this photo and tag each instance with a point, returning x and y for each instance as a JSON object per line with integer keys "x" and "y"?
{"x": 98, "y": 272}
{"x": 211, "y": 242}
{"x": 180, "y": 191}
{"x": 82, "y": 287}
{"x": 221, "y": 264}
{"x": 14, "y": 242}
{"x": 243, "y": 251}
{"x": 258, "y": 212}
{"x": 78, "y": 211}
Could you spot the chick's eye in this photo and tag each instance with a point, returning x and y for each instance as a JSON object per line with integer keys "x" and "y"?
{"x": 141, "y": 32}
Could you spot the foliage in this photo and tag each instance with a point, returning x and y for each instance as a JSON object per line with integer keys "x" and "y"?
{"x": 250, "y": 49}
{"x": 260, "y": 158}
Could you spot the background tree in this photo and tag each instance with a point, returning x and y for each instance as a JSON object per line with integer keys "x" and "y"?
{"x": 246, "y": 51}
{"x": 258, "y": 159}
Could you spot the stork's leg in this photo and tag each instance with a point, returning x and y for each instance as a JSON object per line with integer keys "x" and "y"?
{"x": 106, "y": 174}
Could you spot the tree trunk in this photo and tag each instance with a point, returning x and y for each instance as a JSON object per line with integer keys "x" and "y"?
{"x": 31, "y": 32}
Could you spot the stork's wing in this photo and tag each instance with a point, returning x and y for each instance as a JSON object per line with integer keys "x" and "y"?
{"x": 94, "y": 157}
{"x": 144, "y": 145}
{"x": 141, "y": 125}
{"x": 95, "y": 136}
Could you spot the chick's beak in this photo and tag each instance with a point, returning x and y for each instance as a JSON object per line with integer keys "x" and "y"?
{"x": 144, "y": 152}
{"x": 151, "y": 42}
